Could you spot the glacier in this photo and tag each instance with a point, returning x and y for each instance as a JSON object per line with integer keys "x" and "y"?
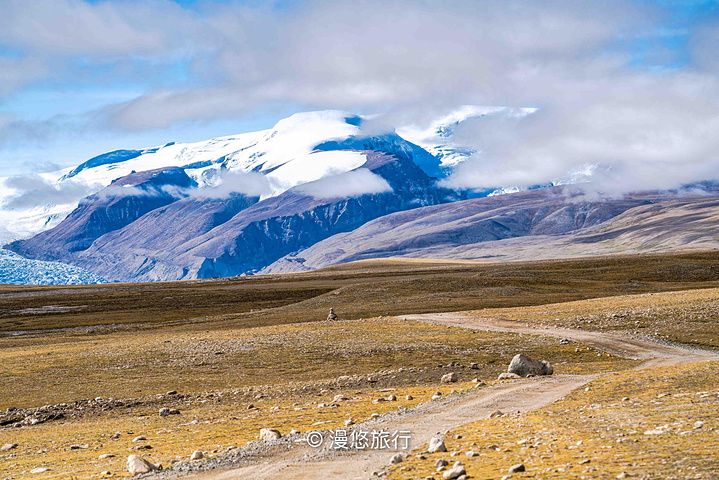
{"x": 18, "y": 270}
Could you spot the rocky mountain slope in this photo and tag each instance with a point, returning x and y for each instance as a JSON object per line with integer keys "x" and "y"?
{"x": 318, "y": 189}
{"x": 539, "y": 224}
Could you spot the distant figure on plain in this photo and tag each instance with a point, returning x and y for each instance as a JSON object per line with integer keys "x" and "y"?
{"x": 332, "y": 315}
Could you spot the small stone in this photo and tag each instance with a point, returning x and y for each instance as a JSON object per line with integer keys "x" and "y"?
{"x": 106, "y": 455}
{"x": 507, "y": 376}
{"x": 9, "y": 446}
{"x": 396, "y": 458}
{"x": 495, "y": 414}
{"x": 471, "y": 454}
{"x": 392, "y": 398}
{"x": 349, "y": 422}
{"x": 171, "y": 392}
{"x": 269, "y": 434}
{"x": 106, "y": 472}
{"x": 137, "y": 465}
{"x": 474, "y": 366}
{"x": 517, "y": 468}
{"x": 454, "y": 472}
{"x": 441, "y": 463}
{"x": 585, "y": 461}
{"x": 39, "y": 470}
{"x": 449, "y": 378}
{"x": 138, "y": 439}
{"x": 197, "y": 455}
{"x": 340, "y": 398}
{"x": 436, "y": 445}
{"x": 436, "y": 395}
{"x": 698, "y": 424}
{"x": 164, "y": 411}
{"x": 623, "y": 475}
{"x": 409, "y": 397}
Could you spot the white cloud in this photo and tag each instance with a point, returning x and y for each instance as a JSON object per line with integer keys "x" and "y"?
{"x": 415, "y": 60}
{"x": 32, "y": 191}
{"x": 252, "y": 184}
{"x": 354, "y": 183}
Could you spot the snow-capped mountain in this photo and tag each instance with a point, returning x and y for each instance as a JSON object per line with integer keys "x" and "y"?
{"x": 300, "y": 149}
{"x": 15, "y": 269}
{"x": 231, "y": 205}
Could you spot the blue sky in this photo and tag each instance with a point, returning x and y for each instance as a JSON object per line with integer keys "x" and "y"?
{"x": 80, "y": 78}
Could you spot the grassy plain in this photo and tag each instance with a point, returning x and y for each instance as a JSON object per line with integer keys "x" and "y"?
{"x": 228, "y": 343}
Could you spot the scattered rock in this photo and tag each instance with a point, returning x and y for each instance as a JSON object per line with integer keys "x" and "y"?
{"x": 409, "y": 397}
{"x": 449, "y": 378}
{"x": 523, "y": 365}
{"x": 454, "y": 472}
{"x": 340, "y": 398}
{"x": 495, "y": 414}
{"x": 564, "y": 341}
{"x": 197, "y": 455}
{"x": 106, "y": 455}
{"x": 39, "y": 470}
{"x": 474, "y": 366}
{"x": 623, "y": 475}
{"x": 517, "y": 468}
{"x": 441, "y": 463}
{"x": 8, "y": 446}
{"x": 436, "y": 395}
{"x": 436, "y": 445}
{"x": 697, "y": 425}
{"x": 508, "y": 376}
{"x": 137, "y": 465}
{"x": 269, "y": 434}
{"x": 392, "y": 398}
{"x": 138, "y": 439}
{"x": 471, "y": 454}
{"x": 396, "y": 458}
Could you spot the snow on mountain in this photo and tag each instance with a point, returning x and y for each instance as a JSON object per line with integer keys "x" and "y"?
{"x": 15, "y": 269}
{"x": 293, "y": 152}
{"x": 438, "y": 138}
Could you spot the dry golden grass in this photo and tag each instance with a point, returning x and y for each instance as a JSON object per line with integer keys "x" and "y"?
{"x": 288, "y": 364}
{"x": 599, "y": 432}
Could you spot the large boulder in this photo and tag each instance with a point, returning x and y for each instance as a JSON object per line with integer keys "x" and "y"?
{"x": 523, "y": 366}
{"x": 436, "y": 445}
{"x": 269, "y": 434}
{"x": 137, "y": 465}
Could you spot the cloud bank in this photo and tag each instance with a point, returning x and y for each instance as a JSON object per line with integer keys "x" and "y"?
{"x": 625, "y": 87}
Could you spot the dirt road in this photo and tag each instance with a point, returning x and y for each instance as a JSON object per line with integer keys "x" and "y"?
{"x": 299, "y": 461}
